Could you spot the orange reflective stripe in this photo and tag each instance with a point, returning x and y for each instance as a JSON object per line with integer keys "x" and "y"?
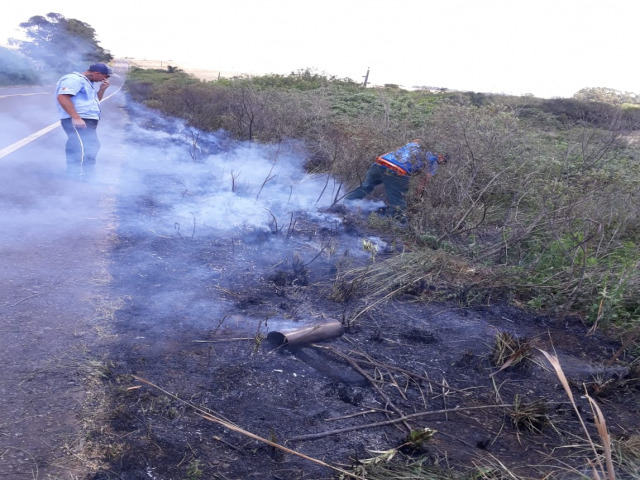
{"x": 391, "y": 166}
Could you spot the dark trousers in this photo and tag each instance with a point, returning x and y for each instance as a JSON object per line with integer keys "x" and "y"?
{"x": 82, "y": 146}
{"x": 395, "y": 186}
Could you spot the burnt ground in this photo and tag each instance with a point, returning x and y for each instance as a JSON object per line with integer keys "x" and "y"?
{"x": 403, "y": 358}
{"x": 178, "y": 374}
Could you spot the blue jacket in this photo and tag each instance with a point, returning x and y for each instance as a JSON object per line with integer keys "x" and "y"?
{"x": 409, "y": 159}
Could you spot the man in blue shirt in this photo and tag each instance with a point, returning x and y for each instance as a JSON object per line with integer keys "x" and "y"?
{"x": 79, "y": 110}
{"x": 394, "y": 170}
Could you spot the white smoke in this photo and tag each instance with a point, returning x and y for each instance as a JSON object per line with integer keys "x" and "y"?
{"x": 222, "y": 184}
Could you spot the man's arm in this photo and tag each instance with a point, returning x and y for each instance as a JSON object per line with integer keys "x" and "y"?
{"x": 67, "y": 105}
{"x": 426, "y": 177}
{"x": 427, "y": 172}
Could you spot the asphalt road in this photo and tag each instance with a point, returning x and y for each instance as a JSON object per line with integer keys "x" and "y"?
{"x": 25, "y": 110}
{"x": 53, "y": 281}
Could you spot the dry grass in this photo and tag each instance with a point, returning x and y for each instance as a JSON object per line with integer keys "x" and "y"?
{"x": 601, "y": 386}
{"x": 597, "y": 467}
{"x": 626, "y": 452}
{"x": 509, "y": 350}
{"x": 602, "y": 455}
{"x": 529, "y": 416}
{"x": 391, "y": 465}
{"x": 419, "y": 273}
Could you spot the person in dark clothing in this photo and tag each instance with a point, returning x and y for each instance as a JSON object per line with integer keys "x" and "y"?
{"x": 394, "y": 170}
{"x": 79, "y": 110}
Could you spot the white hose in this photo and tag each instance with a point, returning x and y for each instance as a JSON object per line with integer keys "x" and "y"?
{"x": 81, "y": 148}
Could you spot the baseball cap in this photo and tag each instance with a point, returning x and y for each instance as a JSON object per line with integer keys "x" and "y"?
{"x": 101, "y": 68}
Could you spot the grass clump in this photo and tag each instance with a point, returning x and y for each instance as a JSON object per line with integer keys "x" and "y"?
{"x": 509, "y": 350}
{"x": 531, "y": 417}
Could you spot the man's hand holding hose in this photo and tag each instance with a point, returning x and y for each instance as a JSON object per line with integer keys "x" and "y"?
{"x": 67, "y": 105}
{"x": 78, "y": 123}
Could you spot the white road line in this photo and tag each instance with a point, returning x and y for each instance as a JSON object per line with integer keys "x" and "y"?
{"x": 23, "y": 94}
{"x": 26, "y": 140}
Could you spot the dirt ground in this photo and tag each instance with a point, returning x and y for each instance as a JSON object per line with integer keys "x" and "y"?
{"x": 173, "y": 376}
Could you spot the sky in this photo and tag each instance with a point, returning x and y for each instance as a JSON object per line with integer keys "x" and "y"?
{"x": 548, "y": 48}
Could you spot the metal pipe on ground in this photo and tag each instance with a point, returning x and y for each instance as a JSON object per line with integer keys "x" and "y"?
{"x": 317, "y": 332}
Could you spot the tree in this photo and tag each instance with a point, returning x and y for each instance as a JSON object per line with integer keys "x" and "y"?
{"x": 57, "y": 44}
{"x": 607, "y": 95}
